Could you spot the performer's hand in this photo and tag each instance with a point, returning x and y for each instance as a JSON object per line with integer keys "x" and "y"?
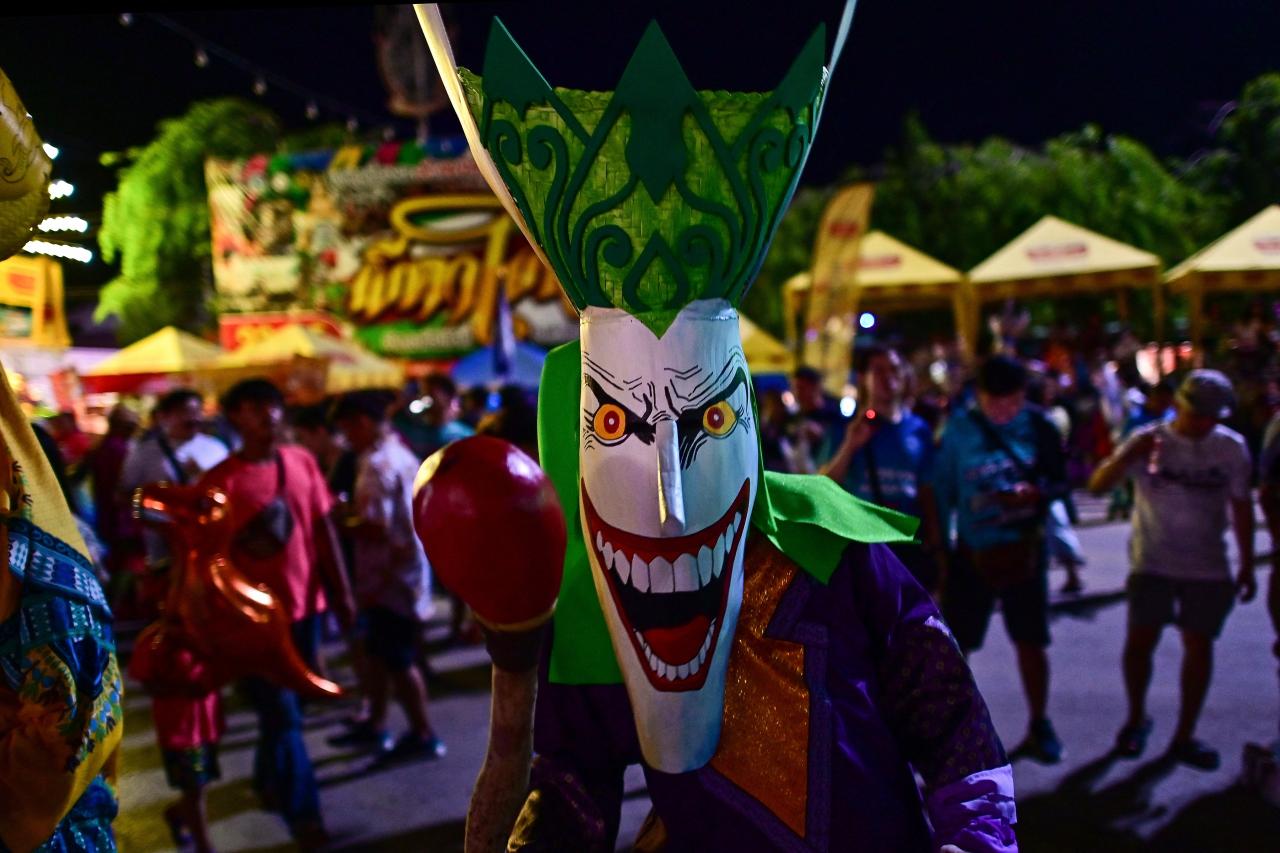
{"x": 951, "y": 848}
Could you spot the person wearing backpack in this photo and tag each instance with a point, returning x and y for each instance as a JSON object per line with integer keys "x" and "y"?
{"x": 999, "y": 468}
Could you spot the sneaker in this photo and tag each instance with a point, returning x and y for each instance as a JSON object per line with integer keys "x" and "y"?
{"x": 1194, "y": 753}
{"x": 1042, "y": 742}
{"x": 364, "y": 735}
{"x": 411, "y": 747}
{"x": 1132, "y": 740}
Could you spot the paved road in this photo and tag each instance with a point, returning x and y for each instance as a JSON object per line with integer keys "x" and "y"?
{"x": 1088, "y": 803}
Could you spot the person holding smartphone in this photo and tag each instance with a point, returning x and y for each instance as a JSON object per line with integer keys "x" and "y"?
{"x": 886, "y": 456}
{"x": 999, "y": 468}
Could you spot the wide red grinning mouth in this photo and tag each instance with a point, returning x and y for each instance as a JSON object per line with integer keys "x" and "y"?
{"x": 671, "y": 592}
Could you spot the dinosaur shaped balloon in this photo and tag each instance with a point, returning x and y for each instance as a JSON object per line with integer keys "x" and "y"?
{"x": 215, "y": 626}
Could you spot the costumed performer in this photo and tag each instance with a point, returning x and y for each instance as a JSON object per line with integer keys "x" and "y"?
{"x": 60, "y": 685}
{"x": 748, "y": 637}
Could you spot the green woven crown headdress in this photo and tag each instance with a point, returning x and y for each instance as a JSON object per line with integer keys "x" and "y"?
{"x": 653, "y": 195}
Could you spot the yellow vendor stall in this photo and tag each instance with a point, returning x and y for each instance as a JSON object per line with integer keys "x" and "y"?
{"x": 311, "y": 364}
{"x": 892, "y": 276}
{"x": 1055, "y": 258}
{"x": 161, "y": 360}
{"x": 765, "y": 354}
{"x": 31, "y": 305}
{"x": 1245, "y": 259}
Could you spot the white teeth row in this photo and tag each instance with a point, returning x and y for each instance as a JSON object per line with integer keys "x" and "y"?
{"x": 689, "y": 572}
{"x": 671, "y": 672}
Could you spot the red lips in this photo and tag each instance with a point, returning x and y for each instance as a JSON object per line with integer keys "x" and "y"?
{"x": 673, "y": 631}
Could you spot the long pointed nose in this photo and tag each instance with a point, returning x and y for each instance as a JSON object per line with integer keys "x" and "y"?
{"x": 670, "y": 483}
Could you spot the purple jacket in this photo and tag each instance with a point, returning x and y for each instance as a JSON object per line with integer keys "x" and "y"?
{"x": 888, "y": 692}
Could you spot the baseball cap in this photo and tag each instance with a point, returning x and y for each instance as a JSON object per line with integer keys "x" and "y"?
{"x": 1207, "y": 393}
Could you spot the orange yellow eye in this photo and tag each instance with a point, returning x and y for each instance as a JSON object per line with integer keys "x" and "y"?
{"x": 719, "y": 419}
{"x": 610, "y": 422}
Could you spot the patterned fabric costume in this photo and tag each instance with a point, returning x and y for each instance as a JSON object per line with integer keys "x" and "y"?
{"x": 832, "y": 690}
{"x": 60, "y": 719}
{"x": 60, "y": 686}
{"x": 781, "y": 673}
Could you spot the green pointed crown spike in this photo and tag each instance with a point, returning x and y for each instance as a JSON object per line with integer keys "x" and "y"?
{"x": 654, "y": 195}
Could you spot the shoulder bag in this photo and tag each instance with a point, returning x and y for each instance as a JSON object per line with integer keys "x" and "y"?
{"x": 1009, "y": 563}
{"x": 266, "y": 534}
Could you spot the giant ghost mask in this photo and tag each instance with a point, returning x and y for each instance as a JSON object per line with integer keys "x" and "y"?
{"x": 670, "y": 463}
{"x": 654, "y": 204}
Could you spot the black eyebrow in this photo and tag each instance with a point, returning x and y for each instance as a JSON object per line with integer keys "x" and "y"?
{"x": 637, "y": 425}
{"x": 739, "y": 377}
{"x": 689, "y": 421}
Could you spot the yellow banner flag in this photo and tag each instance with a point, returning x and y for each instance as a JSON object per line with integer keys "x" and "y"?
{"x": 830, "y": 319}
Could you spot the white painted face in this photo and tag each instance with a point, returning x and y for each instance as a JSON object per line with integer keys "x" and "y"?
{"x": 669, "y": 460}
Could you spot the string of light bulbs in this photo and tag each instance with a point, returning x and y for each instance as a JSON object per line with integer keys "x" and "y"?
{"x": 64, "y": 223}
{"x": 60, "y": 223}
{"x": 204, "y": 51}
{"x": 59, "y": 250}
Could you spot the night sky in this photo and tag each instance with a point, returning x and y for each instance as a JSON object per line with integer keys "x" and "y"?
{"x": 1026, "y": 70}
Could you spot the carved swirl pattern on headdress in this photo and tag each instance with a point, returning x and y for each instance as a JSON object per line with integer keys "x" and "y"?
{"x": 654, "y": 195}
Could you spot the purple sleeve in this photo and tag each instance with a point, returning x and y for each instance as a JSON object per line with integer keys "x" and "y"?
{"x": 562, "y": 813}
{"x": 584, "y": 737}
{"x": 976, "y": 813}
{"x": 933, "y": 705}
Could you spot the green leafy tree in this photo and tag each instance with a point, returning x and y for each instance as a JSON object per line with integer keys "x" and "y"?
{"x": 960, "y": 203}
{"x": 791, "y": 251}
{"x": 1242, "y": 171}
{"x": 157, "y": 220}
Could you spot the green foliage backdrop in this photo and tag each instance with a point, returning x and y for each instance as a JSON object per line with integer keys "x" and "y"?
{"x": 957, "y": 202}
{"x": 960, "y": 203}
{"x": 156, "y": 222}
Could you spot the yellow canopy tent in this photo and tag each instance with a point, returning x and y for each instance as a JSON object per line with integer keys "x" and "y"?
{"x": 892, "y": 276}
{"x": 765, "y": 354}
{"x": 145, "y": 365}
{"x": 311, "y": 364}
{"x": 1055, "y": 258}
{"x": 1247, "y": 258}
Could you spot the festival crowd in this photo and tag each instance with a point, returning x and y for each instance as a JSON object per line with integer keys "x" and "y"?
{"x": 988, "y": 457}
{"x": 350, "y": 567}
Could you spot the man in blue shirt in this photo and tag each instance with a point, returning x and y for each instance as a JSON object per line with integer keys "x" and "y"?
{"x": 999, "y": 467}
{"x": 886, "y": 455}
